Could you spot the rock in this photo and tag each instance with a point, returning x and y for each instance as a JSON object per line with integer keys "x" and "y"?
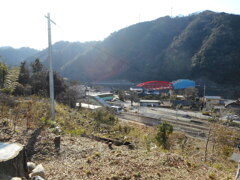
{"x": 16, "y": 178}
{"x": 31, "y": 166}
{"x": 37, "y": 178}
{"x": 56, "y": 130}
{"x": 110, "y": 145}
{"x": 38, "y": 171}
{"x": 235, "y": 157}
{"x": 153, "y": 146}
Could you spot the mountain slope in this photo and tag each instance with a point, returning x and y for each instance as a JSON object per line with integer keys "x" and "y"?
{"x": 63, "y": 52}
{"x": 128, "y": 53}
{"x": 201, "y": 45}
{"x": 11, "y": 56}
{"x": 204, "y": 45}
{"x": 219, "y": 56}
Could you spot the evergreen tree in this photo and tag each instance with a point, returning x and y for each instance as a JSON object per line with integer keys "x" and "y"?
{"x": 164, "y": 130}
{"x": 24, "y": 75}
{"x": 39, "y": 83}
{"x": 37, "y": 66}
{"x": 3, "y": 72}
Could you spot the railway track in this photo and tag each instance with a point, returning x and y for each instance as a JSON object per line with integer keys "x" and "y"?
{"x": 192, "y": 127}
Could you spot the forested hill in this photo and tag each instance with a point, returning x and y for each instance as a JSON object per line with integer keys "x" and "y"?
{"x": 201, "y": 45}
{"x": 204, "y": 45}
{"x": 13, "y": 57}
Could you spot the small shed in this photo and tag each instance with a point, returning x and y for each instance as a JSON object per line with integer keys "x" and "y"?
{"x": 150, "y": 103}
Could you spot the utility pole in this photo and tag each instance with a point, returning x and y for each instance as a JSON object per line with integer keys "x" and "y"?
{"x": 51, "y": 83}
{"x": 204, "y": 90}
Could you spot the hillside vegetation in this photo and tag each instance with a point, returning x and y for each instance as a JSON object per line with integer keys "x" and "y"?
{"x": 26, "y": 119}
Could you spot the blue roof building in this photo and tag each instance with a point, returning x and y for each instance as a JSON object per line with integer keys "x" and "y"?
{"x": 183, "y": 84}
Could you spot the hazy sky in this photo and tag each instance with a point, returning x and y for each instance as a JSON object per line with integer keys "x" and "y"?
{"x": 23, "y": 23}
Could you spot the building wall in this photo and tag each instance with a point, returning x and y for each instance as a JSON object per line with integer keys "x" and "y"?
{"x": 152, "y": 104}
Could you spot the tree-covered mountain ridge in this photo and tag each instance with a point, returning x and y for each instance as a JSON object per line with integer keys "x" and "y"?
{"x": 13, "y": 57}
{"x": 203, "y": 45}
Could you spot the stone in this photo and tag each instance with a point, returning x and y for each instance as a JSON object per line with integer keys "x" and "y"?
{"x": 37, "y": 178}
{"x": 235, "y": 157}
{"x": 38, "y": 171}
{"x": 31, "y": 166}
{"x": 110, "y": 145}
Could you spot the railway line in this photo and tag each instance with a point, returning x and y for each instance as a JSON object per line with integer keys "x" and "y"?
{"x": 190, "y": 125}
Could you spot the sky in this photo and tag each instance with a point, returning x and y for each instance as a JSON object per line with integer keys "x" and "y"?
{"x": 23, "y": 22}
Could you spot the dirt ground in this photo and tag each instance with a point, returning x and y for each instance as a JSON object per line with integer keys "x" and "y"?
{"x": 84, "y": 158}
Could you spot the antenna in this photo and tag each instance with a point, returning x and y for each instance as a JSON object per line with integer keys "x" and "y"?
{"x": 51, "y": 83}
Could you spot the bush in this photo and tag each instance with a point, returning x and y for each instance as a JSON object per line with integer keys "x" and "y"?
{"x": 104, "y": 117}
{"x": 164, "y": 130}
{"x": 6, "y": 100}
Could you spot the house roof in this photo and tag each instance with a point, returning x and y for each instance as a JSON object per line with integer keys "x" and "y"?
{"x": 149, "y": 101}
{"x": 213, "y": 97}
{"x": 183, "y": 83}
{"x": 233, "y": 103}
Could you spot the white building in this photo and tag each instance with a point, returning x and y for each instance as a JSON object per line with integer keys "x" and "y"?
{"x": 150, "y": 103}
{"x": 214, "y": 100}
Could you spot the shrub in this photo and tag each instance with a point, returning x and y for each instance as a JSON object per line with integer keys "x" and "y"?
{"x": 164, "y": 130}
{"x": 104, "y": 117}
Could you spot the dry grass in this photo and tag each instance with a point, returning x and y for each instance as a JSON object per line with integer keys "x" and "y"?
{"x": 82, "y": 158}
